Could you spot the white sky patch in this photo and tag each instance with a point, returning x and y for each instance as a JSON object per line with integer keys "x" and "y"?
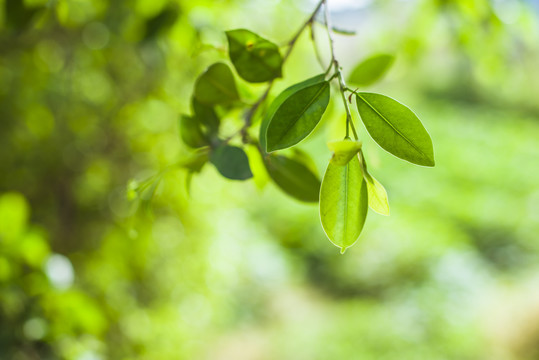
{"x": 60, "y": 271}
{"x": 346, "y": 5}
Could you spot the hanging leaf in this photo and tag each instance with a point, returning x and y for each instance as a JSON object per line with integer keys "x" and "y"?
{"x": 344, "y": 150}
{"x": 293, "y": 177}
{"x": 191, "y": 133}
{"x": 343, "y": 203}
{"x": 371, "y": 70}
{"x": 377, "y": 193}
{"x": 255, "y": 58}
{"x": 279, "y": 100}
{"x": 216, "y": 86}
{"x": 297, "y": 116}
{"x": 395, "y": 128}
{"x": 206, "y": 116}
{"x": 231, "y": 162}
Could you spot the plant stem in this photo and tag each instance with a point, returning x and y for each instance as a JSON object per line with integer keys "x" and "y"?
{"x": 338, "y": 72}
{"x": 251, "y": 112}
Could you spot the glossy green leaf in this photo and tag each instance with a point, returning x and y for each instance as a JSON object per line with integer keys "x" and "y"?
{"x": 255, "y": 58}
{"x": 344, "y": 150}
{"x": 343, "y": 203}
{"x": 279, "y": 100}
{"x": 395, "y": 128}
{"x": 293, "y": 177}
{"x": 378, "y": 200}
{"x": 371, "y": 70}
{"x": 191, "y": 132}
{"x": 216, "y": 86}
{"x": 297, "y": 116}
{"x": 207, "y": 116}
{"x": 231, "y": 162}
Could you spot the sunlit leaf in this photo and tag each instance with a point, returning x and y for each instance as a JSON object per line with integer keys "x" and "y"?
{"x": 297, "y": 116}
{"x": 377, "y": 195}
{"x": 344, "y": 150}
{"x": 395, "y": 128}
{"x": 293, "y": 177}
{"x": 343, "y": 203}
{"x": 378, "y": 200}
{"x": 255, "y": 58}
{"x": 279, "y": 100}
{"x": 371, "y": 70}
{"x": 216, "y": 86}
{"x": 231, "y": 162}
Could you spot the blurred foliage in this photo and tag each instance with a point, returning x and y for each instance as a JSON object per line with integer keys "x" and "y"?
{"x": 90, "y": 94}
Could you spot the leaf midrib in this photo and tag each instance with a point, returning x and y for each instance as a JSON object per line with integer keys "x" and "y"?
{"x": 393, "y": 127}
{"x": 345, "y": 205}
{"x": 292, "y": 123}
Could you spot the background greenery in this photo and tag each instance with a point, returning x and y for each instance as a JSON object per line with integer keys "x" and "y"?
{"x": 90, "y": 94}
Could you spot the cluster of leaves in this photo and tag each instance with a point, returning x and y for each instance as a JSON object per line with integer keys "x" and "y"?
{"x": 347, "y": 188}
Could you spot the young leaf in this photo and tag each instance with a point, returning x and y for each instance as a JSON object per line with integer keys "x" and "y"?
{"x": 395, "y": 128}
{"x": 191, "y": 133}
{"x": 343, "y": 203}
{"x": 279, "y": 100}
{"x": 344, "y": 150}
{"x": 371, "y": 70}
{"x": 231, "y": 162}
{"x": 216, "y": 86}
{"x": 206, "y": 116}
{"x": 293, "y": 177}
{"x": 377, "y": 193}
{"x": 255, "y": 58}
{"x": 297, "y": 116}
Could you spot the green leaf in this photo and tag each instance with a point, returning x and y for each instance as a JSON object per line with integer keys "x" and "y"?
{"x": 297, "y": 116}
{"x": 344, "y": 150}
{"x": 395, "y": 128}
{"x": 377, "y": 195}
{"x": 378, "y": 200}
{"x": 279, "y": 100}
{"x": 371, "y": 70}
{"x": 206, "y": 116}
{"x": 191, "y": 133}
{"x": 231, "y": 162}
{"x": 255, "y": 58}
{"x": 216, "y": 86}
{"x": 293, "y": 177}
{"x": 343, "y": 203}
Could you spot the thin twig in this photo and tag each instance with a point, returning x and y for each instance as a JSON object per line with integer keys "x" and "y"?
{"x": 338, "y": 72}
{"x": 251, "y": 112}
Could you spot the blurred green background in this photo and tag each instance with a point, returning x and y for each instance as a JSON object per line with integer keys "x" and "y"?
{"x": 90, "y": 94}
